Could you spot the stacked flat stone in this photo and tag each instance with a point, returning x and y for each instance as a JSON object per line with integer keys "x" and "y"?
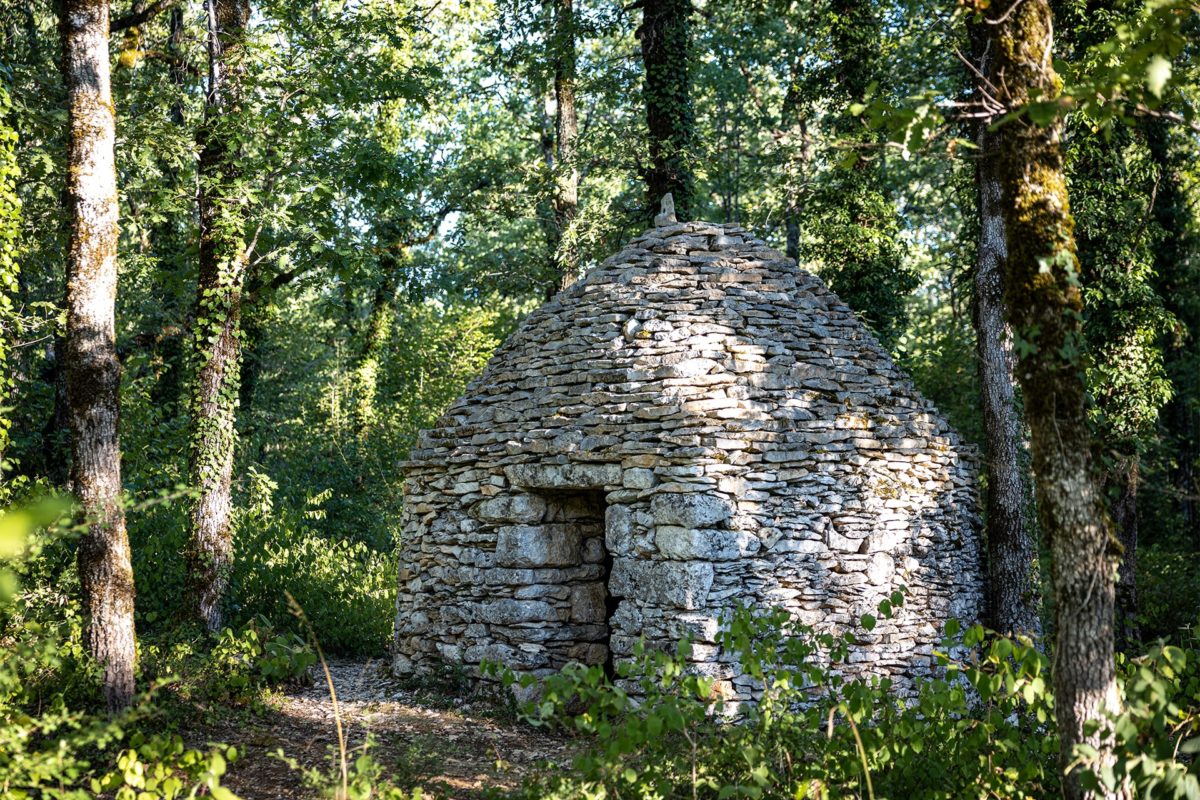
{"x": 695, "y": 423}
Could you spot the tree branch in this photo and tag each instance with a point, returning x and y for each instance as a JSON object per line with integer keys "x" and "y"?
{"x": 136, "y": 18}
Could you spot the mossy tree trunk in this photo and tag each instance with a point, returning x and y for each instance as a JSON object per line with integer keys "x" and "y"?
{"x": 218, "y": 335}
{"x": 1013, "y": 587}
{"x": 665, "y": 34}
{"x": 1045, "y": 308}
{"x": 93, "y": 373}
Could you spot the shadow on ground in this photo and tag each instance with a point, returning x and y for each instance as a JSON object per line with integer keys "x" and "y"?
{"x": 452, "y": 744}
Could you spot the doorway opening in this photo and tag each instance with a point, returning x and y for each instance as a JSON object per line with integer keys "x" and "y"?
{"x": 581, "y": 513}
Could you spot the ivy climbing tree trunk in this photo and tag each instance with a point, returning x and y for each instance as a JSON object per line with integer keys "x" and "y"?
{"x": 93, "y": 373}
{"x": 1178, "y": 283}
{"x": 1044, "y": 306}
{"x": 10, "y": 226}
{"x": 665, "y": 34}
{"x": 1013, "y": 586}
{"x": 566, "y": 130}
{"x": 217, "y": 338}
{"x": 378, "y": 329}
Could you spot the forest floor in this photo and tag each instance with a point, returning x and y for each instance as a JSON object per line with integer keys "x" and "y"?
{"x": 446, "y": 739}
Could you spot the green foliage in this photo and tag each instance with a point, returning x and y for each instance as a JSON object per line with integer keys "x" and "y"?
{"x": 346, "y": 588}
{"x": 854, "y": 240}
{"x": 365, "y": 777}
{"x": 238, "y": 665}
{"x": 10, "y": 223}
{"x": 54, "y": 740}
{"x": 1168, "y": 585}
{"x": 983, "y": 729}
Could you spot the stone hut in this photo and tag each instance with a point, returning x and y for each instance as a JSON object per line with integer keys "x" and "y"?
{"x": 696, "y": 422}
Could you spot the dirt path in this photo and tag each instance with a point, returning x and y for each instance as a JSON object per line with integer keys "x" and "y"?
{"x": 452, "y": 746}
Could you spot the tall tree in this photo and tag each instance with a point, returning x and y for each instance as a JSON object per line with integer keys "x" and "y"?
{"x": 665, "y": 34}
{"x": 1013, "y": 592}
{"x": 10, "y": 219}
{"x": 1045, "y": 307}
{"x": 93, "y": 373}
{"x": 1177, "y": 271}
{"x": 566, "y": 130}
{"x": 853, "y": 222}
{"x": 224, "y": 256}
{"x": 1113, "y": 192}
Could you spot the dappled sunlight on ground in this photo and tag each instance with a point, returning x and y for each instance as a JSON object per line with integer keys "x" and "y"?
{"x": 453, "y": 744}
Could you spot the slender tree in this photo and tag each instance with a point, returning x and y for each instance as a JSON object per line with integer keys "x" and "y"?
{"x": 218, "y": 338}
{"x": 566, "y": 130}
{"x": 665, "y": 34}
{"x": 93, "y": 373}
{"x": 1045, "y": 307}
{"x": 1177, "y": 267}
{"x": 796, "y": 146}
{"x": 10, "y": 217}
{"x": 1013, "y": 587}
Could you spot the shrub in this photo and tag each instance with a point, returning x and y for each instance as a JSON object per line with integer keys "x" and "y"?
{"x": 347, "y": 589}
{"x": 55, "y": 746}
{"x": 983, "y": 729}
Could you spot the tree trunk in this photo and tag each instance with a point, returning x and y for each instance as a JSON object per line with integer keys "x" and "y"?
{"x": 666, "y": 52}
{"x": 10, "y": 226}
{"x": 1177, "y": 272}
{"x": 797, "y": 156}
{"x": 93, "y": 372}
{"x": 566, "y": 130}
{"x": 1013, "y": 587}
{"x": 365, "y": 378}
{"x": 1124, "y": 512}
{"x": 1044, "y": 307}
{"x": 223, "y": 258}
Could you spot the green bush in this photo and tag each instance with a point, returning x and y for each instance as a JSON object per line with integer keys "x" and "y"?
{"x": 1168, "y": 591}
{"x": 53, "y": 742}
{"x": 985, "y": 729}
{"x": 347, "y": 588}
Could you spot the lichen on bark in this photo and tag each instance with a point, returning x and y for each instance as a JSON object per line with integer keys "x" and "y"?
{"x": 93, "y": 373}
{"x": 1044, "y": 305}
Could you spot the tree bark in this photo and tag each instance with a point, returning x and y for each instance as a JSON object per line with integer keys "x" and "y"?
{"x": 666, "y": 53}
{"x": 1044, "y": 306}
{"x": 93, "y": 373}
{"x": 218, "y": 336}
{"x": 1124, "y": 512}
{"x": 1013, "y": 587}
{"x": 566, "y": 130}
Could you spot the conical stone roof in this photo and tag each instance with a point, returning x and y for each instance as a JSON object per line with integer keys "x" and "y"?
{"x": 696, "y": 422}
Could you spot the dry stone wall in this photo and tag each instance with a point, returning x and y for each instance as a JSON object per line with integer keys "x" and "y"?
{"x": 695, "y": 423}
